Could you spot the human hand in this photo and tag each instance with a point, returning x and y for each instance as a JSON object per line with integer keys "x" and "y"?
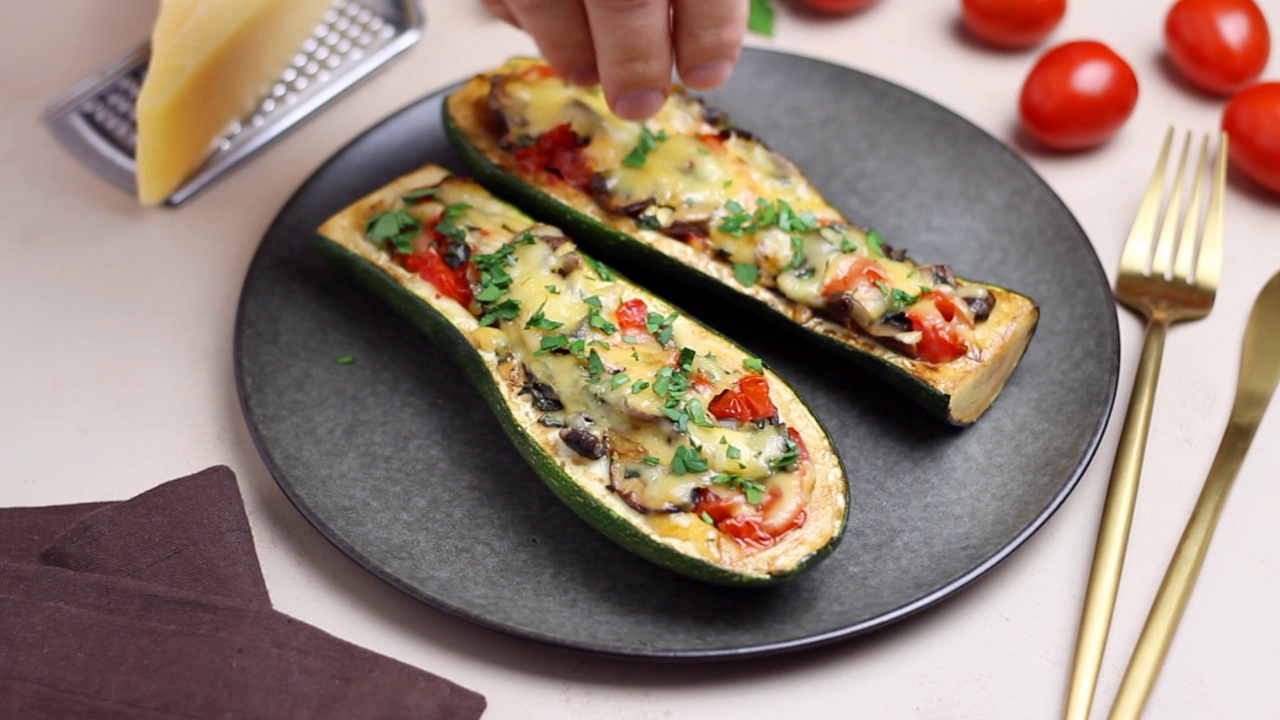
{"x": 627, "y": 46}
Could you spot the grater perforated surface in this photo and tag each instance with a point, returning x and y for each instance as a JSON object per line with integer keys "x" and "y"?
{"x": 97, "y": 119}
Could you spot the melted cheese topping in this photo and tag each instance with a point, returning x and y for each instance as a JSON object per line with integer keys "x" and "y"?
{"x": 750, "y": 206}
{"x": 634, "y": 401}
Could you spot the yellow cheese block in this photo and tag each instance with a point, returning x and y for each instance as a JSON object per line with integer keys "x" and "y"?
{"x": 211, "y": 61}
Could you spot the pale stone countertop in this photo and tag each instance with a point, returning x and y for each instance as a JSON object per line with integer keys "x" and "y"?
{"x": 115, "y": 374}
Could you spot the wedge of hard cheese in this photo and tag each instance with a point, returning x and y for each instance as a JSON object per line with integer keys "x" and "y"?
{"x": 211, "y": 60}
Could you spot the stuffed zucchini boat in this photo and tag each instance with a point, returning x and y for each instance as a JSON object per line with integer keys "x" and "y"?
{"x": 665, "y": 436}
{"x": 688, "y": 193}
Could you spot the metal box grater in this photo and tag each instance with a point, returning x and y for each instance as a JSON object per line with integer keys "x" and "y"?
{"x": 96, "y": 121}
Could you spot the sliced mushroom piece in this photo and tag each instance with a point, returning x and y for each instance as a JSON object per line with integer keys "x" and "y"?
{"x": 979, "y": 299}
{"x": 687, "y": 230}
{"x": 934, "y": 275}
{"x": 642, "y": 486}
{"x": 587, "y": 444}
{"x": 859, "y": 309}
{"x": 542, "y": 396}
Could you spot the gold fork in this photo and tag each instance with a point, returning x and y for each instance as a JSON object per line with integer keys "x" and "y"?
{"x": 1163, "y": 278}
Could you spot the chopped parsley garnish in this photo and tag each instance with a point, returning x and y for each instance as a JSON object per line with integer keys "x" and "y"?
{"x": 752, "y": 489}
{"x": 847, "y": 246}
{"x": 494, "y": 279}
{"x": 754, "y": 364}
{"x": 505, "y": 310}
{"x": 706, "y": 518}
{"x": 414, "y": 196}
{"x": 540, "y": 321}
{"x": 578, "y": 348}
{"x": 732, "y": 453}
{"x": 899, "y": 298}
{"x": 789, "y": 457}
{"x": 648, "y": 143}
{"x": 595, "y": 366}
{"x": 746, "y": 273}
{"x": 760, "y": 19}
{"x": 448, "y": 221}
{"x": 639, "y": 386}
{"x": 597, "y": 321}
{"x": 688, "y": 460}
{"x": 600, "y": 268}
{"x": 551, "y": 342}
{"x": 698, "y": 414}
{"x": 593, "y": 301}
{"x": 685, "y": 361}
{"x": 346, "y": 360}
{"x": 789, "y": 221}
{"x": 661, "y": 327}
{"x": 875, "y": 243}
{"x": 737, "y": 222}
{"x": 619, "y": 380}
{"x": 678, "y": 417}
{"x": 797, "y": 253}
{"x": 552, "y": 289}
{"x": 397, "y": 227}
{"x": 652, "y": 460}
{"x": 882, "y": 286}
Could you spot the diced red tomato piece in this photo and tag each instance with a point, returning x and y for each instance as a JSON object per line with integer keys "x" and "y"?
{"x": 853, "y": 271}
{"x": 803, "y": 452}
{"x": 701, "y": 382}
{"x": 632, "y": 318}
{"x": 559, "y": 153}
{"x": 940, "y": 340}
{"x": 537, "y": 72}
{"x": 747, "y": 401}
{"x": 733, "y": 516}
{"x": 451, "y": 282}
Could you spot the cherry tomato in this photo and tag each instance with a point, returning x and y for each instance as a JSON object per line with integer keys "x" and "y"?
{"x": 1252, "y": 122}
{"x": 1219, "y": 45}
{"x": 837, "y": 7}
{"x": 1012, "y": 23}
{"x": 747, "y": 401}
{"x": 1077, "y": 95}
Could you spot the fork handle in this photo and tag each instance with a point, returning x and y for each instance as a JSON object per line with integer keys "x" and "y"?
{"x": 1113, "y": 532}
{"x": 1180, "y": 578}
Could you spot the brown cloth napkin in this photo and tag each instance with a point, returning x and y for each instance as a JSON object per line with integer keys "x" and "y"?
{"x": 156, "y": 608}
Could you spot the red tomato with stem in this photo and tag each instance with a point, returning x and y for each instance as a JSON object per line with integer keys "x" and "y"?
{"x": 837, "y": 7}
{"x": 1077, "y": 96}
{"x": 1012, "y": 23}
{"x": 1219, "y": 45}
{"x": 1252, "y": 123}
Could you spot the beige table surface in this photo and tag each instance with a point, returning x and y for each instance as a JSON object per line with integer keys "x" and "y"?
{"x": 115, "y": 374}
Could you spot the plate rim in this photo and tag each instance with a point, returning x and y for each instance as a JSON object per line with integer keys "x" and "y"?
{"x": 812, "y": 640}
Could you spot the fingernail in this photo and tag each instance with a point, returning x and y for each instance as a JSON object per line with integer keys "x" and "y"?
{"x": 639, "y": 105}
{"x": 584, "y": 77}
{"x": 705, "y": 77}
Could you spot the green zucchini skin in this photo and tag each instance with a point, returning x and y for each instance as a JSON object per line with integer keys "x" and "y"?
{"x": 623, "y": 250}
{"x": 459, "y": 349}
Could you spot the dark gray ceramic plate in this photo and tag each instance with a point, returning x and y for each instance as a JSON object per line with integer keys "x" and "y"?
{"x": 397, "y": 461}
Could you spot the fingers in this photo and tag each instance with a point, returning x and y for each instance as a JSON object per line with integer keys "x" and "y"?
{"x": 561, "y": 30}
{"x": 498, "y": 8}
{"x": 708, "y": 36}
{"x": 633, "y": 53}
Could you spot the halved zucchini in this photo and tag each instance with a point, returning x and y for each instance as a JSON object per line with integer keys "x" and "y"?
{"x": 665, "y": 436}
{"x": 688, "y": 194}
